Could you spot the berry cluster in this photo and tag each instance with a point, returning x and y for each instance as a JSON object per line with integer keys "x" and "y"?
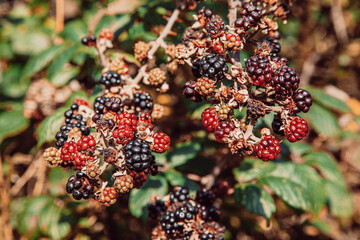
{"x": 266, "y": 84}
{"x": 89, "y": 40}
{"x": 180, "y": 217}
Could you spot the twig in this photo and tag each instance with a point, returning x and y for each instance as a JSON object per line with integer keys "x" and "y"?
{"x": 249, "y": 129}
{"x": 100, "y": 51}
{"x": 59, "y": 19}
{"x": 309, "y": 68}
{"x": 339, "y": 22}
{"x": 232, "y": 17}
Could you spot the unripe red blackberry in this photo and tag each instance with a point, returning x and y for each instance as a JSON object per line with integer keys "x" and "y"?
{"x": 143, "y": 101}
{"x": 123, "y": 134}
{"x": 205, "y": 197}
{"x": 141, "y": 50}
{"x": 106, "y": 33}
{"x": 296, "y": 130}
{"x": 285, "y": 81}
{"x": 127, "y": 118}
{"x": 223, "y": 129}
{"x": 211, "y": 66}
{"x": 110, "y": 79}
{"x": 161, "y": 142}
{"x": 250, "y": 14}
{"x": 80, "y": 186}
{"x": 215, "y": 27}
{"x": 179, "y": 194}
{"x": 69, "y": 153}
{"x": 205, "y": 86}
{"x": 268, "y": 148}
{"x": 138, "y": 155}
{"x": 302, "y": 100}
{"x": 191, "y": 92}
{"x": 138, "y": 179}
{"x": 209, "y": 119}
{"x": 108, "y": 196}
{"x": 52, "y": 156}
{"x": 123, "y": 184}
{"x": 157, "y": 76}
{"x": 259, "y": 70}
{"x": 86, "y": 142}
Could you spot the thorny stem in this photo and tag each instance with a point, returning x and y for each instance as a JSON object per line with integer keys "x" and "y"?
{"x": 158, "y": 42}
{"x": 232, "y": 17}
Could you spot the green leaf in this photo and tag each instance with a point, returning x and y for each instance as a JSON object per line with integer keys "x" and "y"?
{"x": 322, "y": 226}
{"x": 198, "y": 111}
{"x": 255, "y": 199}
{"x": 41, "y": 60}
{"x": 62, "y": 78}
{"x": 328, "y": 101}
{"x": 12, "y": 123}
{"x": 340, "y": 200}
{"x": 140, "y": 198}
{"x": 300, "y": 148}
{"x": 74, "y": 95}
{"x": 252, "y": 168}
{"x": 49, "y": 126}
{"x": 323, "y": 121}
{"x": 182, "y": 153}
{"x": 75, "y": 30}
{"x": 291, "y": 192}
{"x": 58, "y": 64}
{"x": 11, "y": 83}
{"x": 175, "y": 178}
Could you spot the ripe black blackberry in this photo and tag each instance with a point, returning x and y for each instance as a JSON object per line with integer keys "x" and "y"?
{"x": 205, "y": 12}
{"x": 143, "y": 101}
{"x": 285, "y": 81}
{"x": 250, "y": 14}
{"x": 211, "y": 66}
{"x": 110, "y": 79}
{"x": 259, "y": 70}
{"x": 205, "y": 197}
{"x": 61, "y": 136}
{"x": 79, "y": 186}
{"x": 215, "y": 27}
{"x": 277, "y": 124}
{"x": 156, "y": 208}
{"x": 99, "y": 104}
{"x": 169, "y": 224}
{"x": 207, "y": 236}
{"x": 190, "y": 91}
{"x": 114, "y": 104}
{"x": 274, "y": 45}
{"x": 302, "y": 100}
{"x": 89, "y": 40}
{"x": 138, "y": 155}
{"x": 179, "y": 194}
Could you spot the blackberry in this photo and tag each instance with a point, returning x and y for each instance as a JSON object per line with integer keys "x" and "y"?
{"x": 259, "y": 70}
{"x": 143, "y": 101}
{"x": 250, "y": 14}
{"x": 205, "y": 12}
{"x": 157, "y": 77}
{"x": 52, "y": 156}
{"x": 209, "y": 119}
{"x": 99, "y": 104}
{"x": 285, "y": 81}
{"x": 169, "y": 224}
{"x": 215, "y": 27}
{"x": 302, "y": 100}
{"x": 223, "y": 129}
{"x": 207, "y": 236}
{"x": 205, "y": 86}
{"x": 161, "y": 142}
{"x": 205, "y": 197}
{"x": 156, "y": 208}
{"x": 138, "y": 155}
{"x": 89, "y": 40}
{"x": 108, "y": 196}
{"x": 268, "y": 148}
{"x": 138, "y": 179}
{"x": 80, "y": 186}
{"x": 296, "y": 129}
{"x": 115, "y": 105}
{"x": 123, "y": 184}
{"x": 61, "y": 137}
{"x": 274, "y": 45}
{"x": 182, "y": 214}
{"x": 141, "y": 50}
{"x": 110, "y": 79}
{"x": 179, "y": 194}
{"x": 211, "y": 66}
{"x": 190, "y": 91}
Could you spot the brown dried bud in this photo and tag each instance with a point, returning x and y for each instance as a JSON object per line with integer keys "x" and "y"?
{"x": 52, "y": 156}
{"x": 255, "y": 109}
{"x": 241, "y": 146}
{"x": 124, "y": 184}
{"x": 170, "y": 50}
{"x": 141, "y": 50}
{"x": 157, "y": 77}
{"x": 205, "y": 86}
{"x": 110, "y": 155}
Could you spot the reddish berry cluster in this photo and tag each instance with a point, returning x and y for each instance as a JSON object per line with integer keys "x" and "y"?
{"x": 106, "y": 33}
{"x": 210, "y": 119}
{"x": 161, "y": 142}
{"x": 268, "y": 148}
{"x": 223, "y": 129}
{"x": 296, "y": 130}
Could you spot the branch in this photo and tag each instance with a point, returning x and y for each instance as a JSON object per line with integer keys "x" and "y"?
{"x": 232, "y": 17}
{"x": 339, "y": 21}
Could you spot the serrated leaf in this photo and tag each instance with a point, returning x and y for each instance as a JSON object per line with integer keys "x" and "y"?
{"x": 182, "y": 153}
{"x": 323, "y": 121}
{"x": 255, "y": 199}
{"x": 41, "y": 60}
{"x": 291, "y": 192}
{"x": 49, "y": 126}
{"x": 12, "y": 123}
{"x": 175, "y": 178}
{"x": 328, "y": 101}
{"x": 252, "y": 168}
{"x": 140, "y": 198}
{"x": 340, "y": 200}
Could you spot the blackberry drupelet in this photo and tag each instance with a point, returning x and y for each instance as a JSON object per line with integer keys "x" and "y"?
{"x": 143, "y": 101}
{"x": 115, "y": 105}
{"x": 205, "y": 197}
{"x": 259, "y": 70}
{"x": 156, "y": 208}
{"x": 215, "y": 26}
{"x": 302, "y": 100}
{"x": 110, "y": 79}
{"x": 138, "y": 155}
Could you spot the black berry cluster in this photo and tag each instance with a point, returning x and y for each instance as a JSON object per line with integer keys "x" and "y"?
{"x": 99, "y": 104}
{"x": 285, "y": 81}
{"x": 80, "y": 186}
{"x": 302, "y": 100}
{"x": 138, "y": 155}
{"x": 89, "y": 40}
{"x": 259, "y": 70}
{"x": 110, "y": 79}
{"x": 143, "y": 101}
{"x": 190, "y": 91}
{"x": 274, "y": 45}
{"x": 250, "y": 15}
{"x": 211, "y": 66}
{"x": 179, "y": 194}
